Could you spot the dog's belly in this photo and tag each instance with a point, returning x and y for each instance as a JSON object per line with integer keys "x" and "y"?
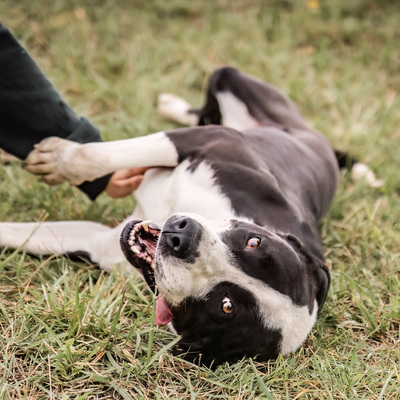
{"x": 165, "y": 191}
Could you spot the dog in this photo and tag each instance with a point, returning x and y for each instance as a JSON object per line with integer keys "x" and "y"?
{"x": 233, "y": 245}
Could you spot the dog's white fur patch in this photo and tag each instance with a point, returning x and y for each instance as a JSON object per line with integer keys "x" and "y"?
{"x": 158, "y": 196}
{"x": 234, "y": 113}
{"x": 361, "y": 171}
{"x": 177, "y": 109}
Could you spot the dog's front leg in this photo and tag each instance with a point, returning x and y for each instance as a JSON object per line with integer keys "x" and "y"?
{"x": 59, "y": 160}
{"x": 90, "y": 240}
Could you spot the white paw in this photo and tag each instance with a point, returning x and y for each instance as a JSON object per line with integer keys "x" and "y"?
{"x": 361, "y": 171}
{"x": 52, "y": 159}
{"x": 176, "y": 108}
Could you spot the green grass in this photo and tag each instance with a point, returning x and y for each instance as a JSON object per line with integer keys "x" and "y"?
{"x": 68, "y": 330}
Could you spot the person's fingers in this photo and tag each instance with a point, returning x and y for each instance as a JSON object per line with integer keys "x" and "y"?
{"x": 118, "y": 188}
{"x": 134, "y": 182}
{"x": 130, "y": 172}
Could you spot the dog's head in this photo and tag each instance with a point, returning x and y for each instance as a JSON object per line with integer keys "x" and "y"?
{"x": 230, "y": 288}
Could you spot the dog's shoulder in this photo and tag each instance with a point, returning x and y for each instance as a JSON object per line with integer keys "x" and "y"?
{"x": 211, "y": 142}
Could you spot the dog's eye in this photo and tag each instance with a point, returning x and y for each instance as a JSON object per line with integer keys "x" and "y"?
{"x": 227, "y": 306}
{"x": 253, "y": 242}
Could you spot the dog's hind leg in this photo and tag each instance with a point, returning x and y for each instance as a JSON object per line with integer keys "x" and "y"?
{"x": 237, "y": 101}
{"x": 245, "y": 102}
{"x": 177, "y": 109}
{"x": 358, "y": 170}
{"x": 95, "y": 242}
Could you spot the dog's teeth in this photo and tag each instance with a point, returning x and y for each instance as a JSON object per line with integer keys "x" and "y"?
{"x": 145, "y": 225}
{"x": 148, "y": 259}
{"x": 136, "y": 249}
{"x": 131, "y": 242}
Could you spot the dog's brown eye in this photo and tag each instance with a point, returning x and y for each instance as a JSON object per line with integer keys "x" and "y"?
{"x": 253, "y": 242}
{"x": 227, "y": 306}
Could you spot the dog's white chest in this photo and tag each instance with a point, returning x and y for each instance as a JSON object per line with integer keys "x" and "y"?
{"x": 167, "y": 191}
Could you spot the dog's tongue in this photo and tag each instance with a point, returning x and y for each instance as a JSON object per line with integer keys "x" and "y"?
{"x": 163, "y": 312}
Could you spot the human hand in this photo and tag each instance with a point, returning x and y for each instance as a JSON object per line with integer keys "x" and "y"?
{"x": 124, "y": 182}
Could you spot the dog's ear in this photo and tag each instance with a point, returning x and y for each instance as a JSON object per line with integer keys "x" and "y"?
{"x": 323, "y": 281}
{"x": 319, "y": 272}
{"x": 195, "y": 357}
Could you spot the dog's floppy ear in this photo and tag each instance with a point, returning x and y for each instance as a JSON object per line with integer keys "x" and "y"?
{"x": 323, "y": 280}
{"x": 195, "y": 357}
{"x": 319, "y": 272}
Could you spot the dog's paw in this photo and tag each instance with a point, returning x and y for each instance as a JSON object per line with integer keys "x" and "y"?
{"x": 177, "y": 109}
{"x": 49, "y": 159}
{"x": 361, "y": 171}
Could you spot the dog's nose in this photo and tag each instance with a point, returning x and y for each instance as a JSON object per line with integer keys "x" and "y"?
{"x": 182, "y": 236}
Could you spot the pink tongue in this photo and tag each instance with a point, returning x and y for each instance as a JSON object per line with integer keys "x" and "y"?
{"x": 163, "y": 312}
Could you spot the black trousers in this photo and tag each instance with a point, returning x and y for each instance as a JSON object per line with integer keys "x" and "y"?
{"x": 31, "y": 109}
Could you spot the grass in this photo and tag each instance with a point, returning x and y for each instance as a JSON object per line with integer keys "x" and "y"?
{"x": 68, "y": 330}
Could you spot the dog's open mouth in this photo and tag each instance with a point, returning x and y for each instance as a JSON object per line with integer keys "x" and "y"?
{"x": 139, "y": 242}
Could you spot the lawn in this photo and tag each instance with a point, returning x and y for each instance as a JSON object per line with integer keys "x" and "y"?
{"x": 70, "y": 331}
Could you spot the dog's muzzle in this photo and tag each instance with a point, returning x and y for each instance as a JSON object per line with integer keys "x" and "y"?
{"x": 180, "y": 237}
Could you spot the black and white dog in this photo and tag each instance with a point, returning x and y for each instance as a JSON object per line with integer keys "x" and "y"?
{"x": 234, "y": 247}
